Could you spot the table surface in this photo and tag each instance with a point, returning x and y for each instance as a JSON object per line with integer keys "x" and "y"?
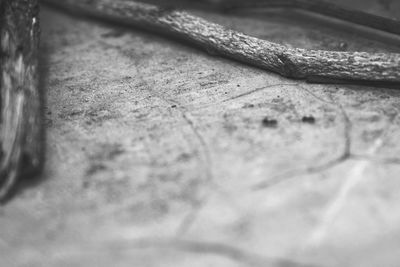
{"x": 157, "y": 154}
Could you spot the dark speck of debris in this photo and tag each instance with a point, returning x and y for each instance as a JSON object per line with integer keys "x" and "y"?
{"x": 238, "y": 85}
{"x": 308, "y": 119}
{"x": 184, "y": 157}
{"x": 270, "y": 123}
{"x": 248, "y": 106}
{"x": 85, "y": 184}
{"x": 173, "y": 106}
{"x": 95, "y": 168}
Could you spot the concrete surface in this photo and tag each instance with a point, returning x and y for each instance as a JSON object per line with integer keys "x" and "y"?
{"x": 157, "y": 155}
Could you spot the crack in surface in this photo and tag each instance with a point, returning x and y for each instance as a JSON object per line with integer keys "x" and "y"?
{"x": 188, "y": 221}
{"x": 205, "y": 159}
{"x": 206, "y": 152}
{"x": 214, "y": 248}
{"x": 379, "y": 160}
{"x": 346, "y": 121}
{"x": 344, "y": 155}
{"x": 200, "y": 138}
{"x": 339, "y": 200}
{"x": 355, "y": 177}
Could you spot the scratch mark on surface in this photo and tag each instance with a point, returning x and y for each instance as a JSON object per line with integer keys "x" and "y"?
{"x": 257, "y": 90}
{"x": 189, "y": 220}
{"x": 335, "y": 207}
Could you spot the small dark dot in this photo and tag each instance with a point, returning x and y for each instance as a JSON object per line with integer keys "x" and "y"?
{"x": 270, "y": 123}
{"x": 308, "y": 119}
{"x": 248, "y": 106}
{"x": 238, "y": 85}
{"x": 85, "y": 184}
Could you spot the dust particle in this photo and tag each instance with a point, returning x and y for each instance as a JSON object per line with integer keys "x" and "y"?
{"x": 269, "y": 123}
{"x": 248, "y": 106}
{"x": 308, "y": 119}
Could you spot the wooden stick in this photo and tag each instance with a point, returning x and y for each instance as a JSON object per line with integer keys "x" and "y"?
{"x": 315, "y": 6}
{"x": 292, "y": 63}
{"x": 21, "y": 121}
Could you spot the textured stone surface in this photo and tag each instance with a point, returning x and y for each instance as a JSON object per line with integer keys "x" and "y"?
{"x": 157, "y": 155}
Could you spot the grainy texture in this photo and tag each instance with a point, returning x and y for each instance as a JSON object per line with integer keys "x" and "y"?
{"x": 21, "y": 125}
{"x": 293, "y": 63}
{"x": 155, "y": 148}
{"x": 319, "y": 7}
